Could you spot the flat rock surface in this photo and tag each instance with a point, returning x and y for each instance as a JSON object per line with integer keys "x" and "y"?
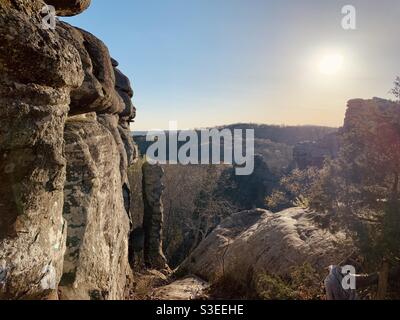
{"x": 190, "y": 288}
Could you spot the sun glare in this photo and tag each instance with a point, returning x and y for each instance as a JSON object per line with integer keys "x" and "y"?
{"x": 331, "y": 64}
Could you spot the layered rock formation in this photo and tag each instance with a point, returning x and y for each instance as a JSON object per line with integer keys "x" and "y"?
{"x": 153, "y": 216}
{"x": 313, "y": 153}
{"x": 96, "y": 263}
{"x": 34, "y": 99}
{"x": 69, "y": 7}
{"x": 257, "y": 241}
{"x": 64, "y": 152}
{"x": 136, "y": 239}
{"x": 97, "y": 192}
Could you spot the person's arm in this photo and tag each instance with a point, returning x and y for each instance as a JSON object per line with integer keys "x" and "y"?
{"x": 364, "y": 281}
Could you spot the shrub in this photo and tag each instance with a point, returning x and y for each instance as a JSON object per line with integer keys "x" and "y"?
{"x": 303, "y": 283}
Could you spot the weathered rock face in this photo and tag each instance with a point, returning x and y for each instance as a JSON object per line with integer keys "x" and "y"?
{"x": 111, "y": 101}
{"x": 64, "y": 192}
{"x": 98, "y": 92}
{"x": 136, "y": 239}
{"x": 131, "y": 149}
{"x": 96, "y": 261}
{"x": 97, "y": 192}
{"x": 124, "y": 89}
{"x": 371, "y": 113}
{"x": 67, "y": 8}
{"x": 313, "y": 153}
{"x": 90, "y": 94}
{"x": 153, "y": 216}
{"x": 111, "y": 123}
{"x": 34, "y": 99}
{"x": 23, "y": 40}
{"x": 258, "y": 241}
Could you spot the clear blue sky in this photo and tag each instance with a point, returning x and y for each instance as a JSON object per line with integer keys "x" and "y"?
{"x": 211, "y": 62}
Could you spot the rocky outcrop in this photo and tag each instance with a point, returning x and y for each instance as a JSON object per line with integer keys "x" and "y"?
{"x": 97, "y": 191}
{"x": 67, "y": 8}
{"x": 124, "y": 90}
{"x": 153, "y": 216}
{"x": 96, "y": 261}
{"x": 371, "y": 113}
{"x": 98, "y": 91}
{"x": 313, "y": 153}
{"x": 136, "y": 239}
{"x": 34, "y": 100}
{"x": 258, "y": 241}
{"x": 65, "y": 149}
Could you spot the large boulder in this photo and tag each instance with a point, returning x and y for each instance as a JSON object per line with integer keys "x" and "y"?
{"x": 259, "y": 241}
{"x": 34, "y": 102}
{"x": 66, "y": 8}
{"x": 96, "y": 261}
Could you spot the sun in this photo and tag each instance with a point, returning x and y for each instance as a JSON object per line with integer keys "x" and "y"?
{"x": 331, "y": 64}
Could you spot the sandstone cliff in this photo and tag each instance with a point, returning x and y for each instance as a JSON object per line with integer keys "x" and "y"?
{"x": 65, "y": 148}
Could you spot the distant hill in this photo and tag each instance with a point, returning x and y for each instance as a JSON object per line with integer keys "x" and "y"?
{"x": 290, "y": 135}
{"x": 275, "y": 143}
{"x": 139, "y": 133}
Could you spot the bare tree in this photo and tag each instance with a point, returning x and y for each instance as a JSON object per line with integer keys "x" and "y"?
{"x": 396, "y": 90}
{"x": 192, "y": 207}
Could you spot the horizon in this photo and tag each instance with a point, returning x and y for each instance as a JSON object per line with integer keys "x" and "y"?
{"x": 238, "y": 124}
{"x": 206, "y": 63}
